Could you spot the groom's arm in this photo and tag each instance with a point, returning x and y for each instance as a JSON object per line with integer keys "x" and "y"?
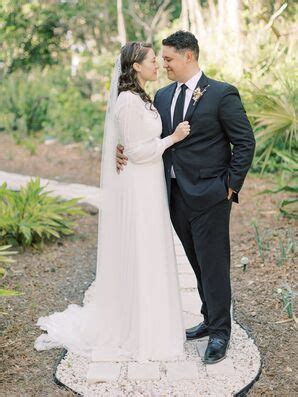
{"x": 237, "y": 127}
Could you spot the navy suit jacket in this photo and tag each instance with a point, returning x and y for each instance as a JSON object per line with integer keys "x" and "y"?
{"x": 219, "y": 150}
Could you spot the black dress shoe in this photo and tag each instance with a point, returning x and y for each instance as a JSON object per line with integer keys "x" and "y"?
{"x": 199, "y": 331}
{"x": 216, "y": 350}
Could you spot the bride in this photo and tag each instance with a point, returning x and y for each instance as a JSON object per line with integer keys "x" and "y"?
{"x": 133, "y": 310}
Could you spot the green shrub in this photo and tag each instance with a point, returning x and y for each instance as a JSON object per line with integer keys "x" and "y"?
{"x": 32, "y": 216}
{"x": 51, "y": 103}
{"x": 5, "y": 258}
{"x": 286, "y": 182}
{"x": 24, "y": 105}
{"x": 74, "y": 118}
{"x": 287, "y": 296}
{"x": 275, "y": 121}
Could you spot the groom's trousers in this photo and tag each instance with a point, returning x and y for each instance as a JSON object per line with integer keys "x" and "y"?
{"x": 206, "y": 241}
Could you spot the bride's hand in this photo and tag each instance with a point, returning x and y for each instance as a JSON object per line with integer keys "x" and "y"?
{"x": 181, "y": 132}
{"x": 121, "y": 159}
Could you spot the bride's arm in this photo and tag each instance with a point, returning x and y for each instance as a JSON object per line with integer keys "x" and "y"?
{"x": 130, "y": 120}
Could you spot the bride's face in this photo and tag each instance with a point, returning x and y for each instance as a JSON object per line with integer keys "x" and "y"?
{"x": 147, "y": 70}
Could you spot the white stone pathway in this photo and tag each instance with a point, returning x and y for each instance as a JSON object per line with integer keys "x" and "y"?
{"x": 66, "y": 190}
{"x": 188, "y": 378}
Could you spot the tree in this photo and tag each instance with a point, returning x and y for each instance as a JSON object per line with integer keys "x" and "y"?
{"x": 29, "y": 35}
{"x": 151, "y": 17}
{"x": 192, "y": 17}
{"x": 121, "y": 24}
{"x": 44, "y": 33}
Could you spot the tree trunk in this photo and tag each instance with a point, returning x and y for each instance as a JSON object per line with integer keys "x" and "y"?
{"x": 212, "y": 11}
{"x": 196, "y": 18}
{"x": 233, "y": 16}
{"x": 191, "y": 17}
{"x": 150, "y": 25}
{"x": 121, "y": 23}
{"x": 184, "y": 16}
{"x": 232, "y": 12}
{"x": 220, "y": 22}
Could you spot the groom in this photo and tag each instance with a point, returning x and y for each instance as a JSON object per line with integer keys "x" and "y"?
{"x": 204, "y": 174}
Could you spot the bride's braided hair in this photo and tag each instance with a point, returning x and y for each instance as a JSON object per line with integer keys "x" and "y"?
{"x": 130, "y": 53}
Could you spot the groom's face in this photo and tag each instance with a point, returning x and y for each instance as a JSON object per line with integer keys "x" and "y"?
{"x": 175, "y": 62}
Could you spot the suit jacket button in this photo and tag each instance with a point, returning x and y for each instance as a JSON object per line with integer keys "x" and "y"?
{"x": 173, "y": 149}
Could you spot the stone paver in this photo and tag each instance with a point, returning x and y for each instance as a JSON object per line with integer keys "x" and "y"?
{"x": 176, "y": 239}
{"x": 182, "y": 260}
{"x": 89, "y": 194}
{"x": 187, "y": 281}
{"x": 185, "y": 268}
{"x": 143, "y": 371}
{"x": 103, "y": 372}
{"x": 201, "y": 346}
{"x": 191, "y": 301}
{"x": 186, "y": 370}
{"x": 224, "y": 367}
{"x": 190, "y": 319}
{"x": 179, "y": 250}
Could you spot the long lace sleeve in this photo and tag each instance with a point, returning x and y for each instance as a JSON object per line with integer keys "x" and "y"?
{"x": 130, "y": 116}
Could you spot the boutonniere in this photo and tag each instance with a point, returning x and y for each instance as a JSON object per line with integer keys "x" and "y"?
{"x": 197, "y": 94}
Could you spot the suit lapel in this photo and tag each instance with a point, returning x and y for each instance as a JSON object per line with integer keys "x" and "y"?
{"x": 202, "y": 83}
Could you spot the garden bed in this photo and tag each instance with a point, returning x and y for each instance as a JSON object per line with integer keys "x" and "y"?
{"x": 65, "y": 163}
{"x": 50, "y": 281}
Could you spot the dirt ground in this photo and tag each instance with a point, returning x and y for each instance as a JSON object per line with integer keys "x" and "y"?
{"x": 59, "y": 275}
{"x": 56, "y": 161}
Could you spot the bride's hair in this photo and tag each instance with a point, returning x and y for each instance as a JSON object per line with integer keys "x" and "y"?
{"x": 130, "y": 53}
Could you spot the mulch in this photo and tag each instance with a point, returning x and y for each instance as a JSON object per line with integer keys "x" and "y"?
{"x": 52, "y": 279}
{"x": 49, "y": 280}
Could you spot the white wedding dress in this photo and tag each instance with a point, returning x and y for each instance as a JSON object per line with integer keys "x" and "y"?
{"x": 133, "y": 310}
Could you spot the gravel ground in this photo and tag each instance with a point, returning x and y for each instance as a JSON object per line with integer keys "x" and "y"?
{"x": 225, "y": 379}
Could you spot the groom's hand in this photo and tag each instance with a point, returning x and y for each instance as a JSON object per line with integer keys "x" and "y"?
{"x": 120, "y": 158}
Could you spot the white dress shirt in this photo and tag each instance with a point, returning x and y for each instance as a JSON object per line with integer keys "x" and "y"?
{"x": 191, "y": 86}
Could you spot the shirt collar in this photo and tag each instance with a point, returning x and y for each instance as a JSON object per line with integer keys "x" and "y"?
{"x": 192, "y": 82}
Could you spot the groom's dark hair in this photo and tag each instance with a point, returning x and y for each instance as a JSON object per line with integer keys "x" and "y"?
{"x": 183, "y": 40}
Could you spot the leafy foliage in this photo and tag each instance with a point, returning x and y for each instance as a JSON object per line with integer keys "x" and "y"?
{"x": 287, "y": 296}
{"x": 5, "y": 254}
{"x": 24, "y": 105}
{"x": 287, "y": 184}
{"x": 276, "y": 121}
{"x": 5, "y": 258}
{"x": 74, "y": 118}
{"x": 51, "y": 103}
{"x": 32, "y": 216}
{"x": 24, "y": 43}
